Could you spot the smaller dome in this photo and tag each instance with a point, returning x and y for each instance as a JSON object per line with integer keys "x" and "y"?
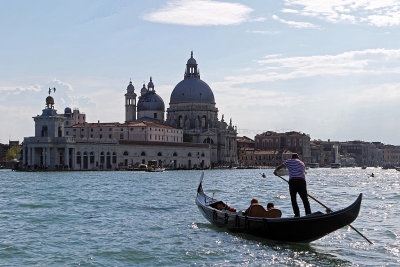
{"x": 130, "y": 86}
{"x": 67, "y": 110}
{"x": 191, "y": 60}
{"x": 143, "y": 91}
{"x": 49, "y": 100}
{"x": 150, "y": 84}
{"x": 150, "y": 101}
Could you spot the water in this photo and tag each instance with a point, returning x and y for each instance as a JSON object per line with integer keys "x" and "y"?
{"x": 150, "y": 219}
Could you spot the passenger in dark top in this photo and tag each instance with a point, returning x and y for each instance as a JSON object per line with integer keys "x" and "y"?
{"x": 254, "y": 201}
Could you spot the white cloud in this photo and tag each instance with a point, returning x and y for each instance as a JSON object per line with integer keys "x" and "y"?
{"x": 296, "y": 24}
{"x": 200, "y": 13}
{"x": 334, "y": 96}
{"x": 263, "y": 32}
{"x": 364, "y": 62}
{"x": 380, "y": 13}
{"x": 19, "y": 89}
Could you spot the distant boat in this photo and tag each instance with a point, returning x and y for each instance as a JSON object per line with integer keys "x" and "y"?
{"x": 314, "y": 165}
{"x": 155, "y": 169}
{"x": 335, "y": 165}
{"x": 363, "y": 167}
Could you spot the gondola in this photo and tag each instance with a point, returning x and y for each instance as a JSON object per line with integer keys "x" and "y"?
{"x": 291, "y": 229}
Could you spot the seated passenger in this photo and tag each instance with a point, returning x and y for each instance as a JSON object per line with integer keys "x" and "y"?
{"x": 270, "y": 206}
{"x": 254, "y": 201}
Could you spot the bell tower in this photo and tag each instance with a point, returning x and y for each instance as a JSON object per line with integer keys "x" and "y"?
{"x": 130, "y": 103}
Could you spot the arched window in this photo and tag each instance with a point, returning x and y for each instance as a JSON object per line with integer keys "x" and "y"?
{"x": 143, "y": 154}
{"x": 126, "y": 153}
{"x": 44, "y": 131}
{"x": 208, "y": 140}
{"x": 175, "y": 154}
{"x": 203, "y": 121}
{"x": 202, "y": 154}
{"x": 159, "y": 154}
{"x": 91, "y": 157}
{"x": 78, "y": 157}
{"x": 114, "y": 158}
{"x": 189, "y": 154}
{"x": 102, "y": 157}
{"x": 180, "y": 124}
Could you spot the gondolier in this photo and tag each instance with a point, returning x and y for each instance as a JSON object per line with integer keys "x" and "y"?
{"x": 297, "y": 183}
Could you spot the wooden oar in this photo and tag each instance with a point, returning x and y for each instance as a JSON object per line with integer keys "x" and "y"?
{"x": 328, "y": 209}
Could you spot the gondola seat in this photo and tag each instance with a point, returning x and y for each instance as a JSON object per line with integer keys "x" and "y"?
{"x": 259, "y": 211}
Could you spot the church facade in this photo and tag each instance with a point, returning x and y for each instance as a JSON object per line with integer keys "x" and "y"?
{"x": 191, "y": 136}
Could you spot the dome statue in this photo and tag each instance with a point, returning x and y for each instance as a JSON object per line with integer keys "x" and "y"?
{"x": 49, "y": 101}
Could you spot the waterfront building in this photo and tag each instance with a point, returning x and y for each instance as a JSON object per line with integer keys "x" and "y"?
{"x": 325, "y": 153}
{"x": 391, "y": 156}
{"x": 66, "y": 141}
{"x": 106, "y": 146}
{"x": 293, "y": 141}
{"x": 192, "y": 108}
{"x": 245, "y": 151}
{"x": 365, "y": 153}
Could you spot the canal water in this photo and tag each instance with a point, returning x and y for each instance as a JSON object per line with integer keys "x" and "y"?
{"x": 150, "y": 219}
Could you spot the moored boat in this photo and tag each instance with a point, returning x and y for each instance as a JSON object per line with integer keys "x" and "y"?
{"x": 292, "y": 229}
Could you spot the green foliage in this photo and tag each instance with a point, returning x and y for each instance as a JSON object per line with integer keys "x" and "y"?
{"x": 13, "y": 152}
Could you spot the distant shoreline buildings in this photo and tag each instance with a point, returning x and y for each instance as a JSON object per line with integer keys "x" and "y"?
{"x": 190, "y": 137}
{"x": 270, "y": 148}
{"x": 186, "y": 135}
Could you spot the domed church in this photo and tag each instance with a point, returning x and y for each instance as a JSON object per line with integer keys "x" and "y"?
{"x": 192, "y": 136}
{"x": 192, "y": 108}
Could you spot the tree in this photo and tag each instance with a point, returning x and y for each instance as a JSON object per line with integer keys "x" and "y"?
{"x": 13, "y": 152}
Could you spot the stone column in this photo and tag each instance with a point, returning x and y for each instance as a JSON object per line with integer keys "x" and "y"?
{"x": 48, "y": 157}
{"x": 66, "y": 157}
{"x": 73, "y": 159}
{"x": 32, "y": 157}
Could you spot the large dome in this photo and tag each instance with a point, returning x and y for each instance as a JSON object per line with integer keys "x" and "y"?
{"x": 192, "y": 90}
{"x": 150, "y": 101}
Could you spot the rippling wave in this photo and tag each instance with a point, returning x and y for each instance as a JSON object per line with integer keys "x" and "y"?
{"x": 138, "y": 218}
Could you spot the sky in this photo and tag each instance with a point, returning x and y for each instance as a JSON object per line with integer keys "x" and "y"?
{"x": 330, "y": 69}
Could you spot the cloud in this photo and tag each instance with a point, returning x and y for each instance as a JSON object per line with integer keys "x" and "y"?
{"x": 200, "y": 13}
{"x": 59, "y": 85}
{"x": 19, "y": 89}
{"x": 383, "y": 13}
{"x": 364, "y": 62}
{"x": 296, "y": 24}
{"x": 263, "y": 32}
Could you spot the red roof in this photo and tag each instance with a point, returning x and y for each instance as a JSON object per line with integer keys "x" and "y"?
{"x": 128, "y": 124}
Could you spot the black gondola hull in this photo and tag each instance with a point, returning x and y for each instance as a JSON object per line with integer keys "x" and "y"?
{"x": 299, "y": 229}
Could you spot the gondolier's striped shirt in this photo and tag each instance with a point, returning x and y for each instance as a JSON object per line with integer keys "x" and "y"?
{"x": 296, "y": 168}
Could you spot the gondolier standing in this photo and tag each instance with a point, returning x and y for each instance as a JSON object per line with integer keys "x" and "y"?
{"x": 297, "y": 182}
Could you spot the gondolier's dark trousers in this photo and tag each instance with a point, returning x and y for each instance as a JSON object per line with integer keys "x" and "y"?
{"x": 297, "y": 185}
